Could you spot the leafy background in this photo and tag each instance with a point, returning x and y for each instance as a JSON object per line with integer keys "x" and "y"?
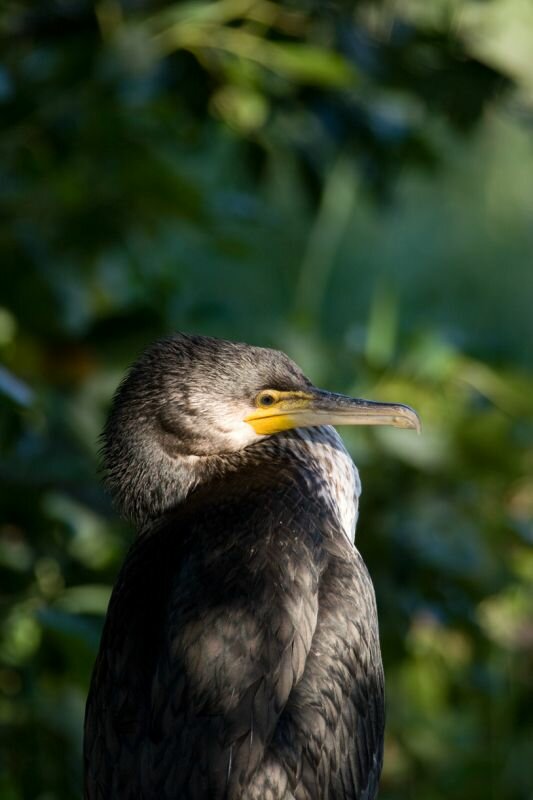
{"x": 350, "y": 182}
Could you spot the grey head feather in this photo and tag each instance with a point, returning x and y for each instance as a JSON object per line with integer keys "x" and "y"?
{"x": 174, "y": 417}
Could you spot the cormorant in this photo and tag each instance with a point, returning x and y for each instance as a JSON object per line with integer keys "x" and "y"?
{"x": 240, "y": 655}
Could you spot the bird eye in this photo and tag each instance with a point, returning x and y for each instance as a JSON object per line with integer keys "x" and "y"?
{"x": 266, "y": 399}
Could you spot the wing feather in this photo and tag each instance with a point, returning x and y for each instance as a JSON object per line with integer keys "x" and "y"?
{"x": 237, "y": 660}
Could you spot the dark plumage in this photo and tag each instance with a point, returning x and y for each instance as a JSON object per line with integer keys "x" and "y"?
{"x": 240, "y": 655}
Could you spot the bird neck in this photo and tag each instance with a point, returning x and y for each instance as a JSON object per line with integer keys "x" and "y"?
{"x": 155, "y": 482}
{"x": 326, "y": 468}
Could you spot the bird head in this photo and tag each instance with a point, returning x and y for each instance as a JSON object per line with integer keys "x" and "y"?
{"x": 195, "y": 397}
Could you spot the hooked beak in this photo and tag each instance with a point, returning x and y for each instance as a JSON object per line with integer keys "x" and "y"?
{"x": 317, "y": 407}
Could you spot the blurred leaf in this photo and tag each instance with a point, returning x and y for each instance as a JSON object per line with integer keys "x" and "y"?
{"x": 90, "y": 599}
{"x": 14, "y": 388}
{"x": 308, "y": 64}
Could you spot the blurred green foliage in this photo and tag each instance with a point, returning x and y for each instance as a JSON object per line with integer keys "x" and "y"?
{"x": 349, "y": 182}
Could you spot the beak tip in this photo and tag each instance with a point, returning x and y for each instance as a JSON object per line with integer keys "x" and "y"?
{"x": 408, "y": 418}
{"x": 414, "y": 422}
